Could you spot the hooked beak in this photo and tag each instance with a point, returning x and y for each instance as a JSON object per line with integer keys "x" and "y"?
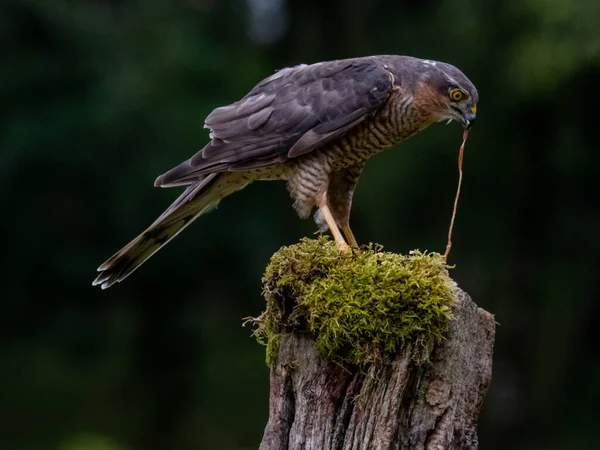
{"x": 468, "y": 120}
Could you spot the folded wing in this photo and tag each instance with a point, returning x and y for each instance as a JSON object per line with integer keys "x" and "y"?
{"x": 291, "y": 113}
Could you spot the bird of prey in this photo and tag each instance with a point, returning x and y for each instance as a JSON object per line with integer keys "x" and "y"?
{"x": 313, "y": 126}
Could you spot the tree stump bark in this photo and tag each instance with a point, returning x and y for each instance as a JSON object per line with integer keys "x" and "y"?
{"x": 316, "y": 404}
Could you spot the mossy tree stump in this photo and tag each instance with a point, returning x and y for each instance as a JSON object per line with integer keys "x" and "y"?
{"x": 371, "y": 351}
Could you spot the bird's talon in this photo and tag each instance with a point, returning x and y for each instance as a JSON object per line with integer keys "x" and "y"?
{"x": 344, "y": 249}
{"x": 357, "y": 250}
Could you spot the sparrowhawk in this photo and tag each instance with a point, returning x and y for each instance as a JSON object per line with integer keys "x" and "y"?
{"x": 314, "y": 126}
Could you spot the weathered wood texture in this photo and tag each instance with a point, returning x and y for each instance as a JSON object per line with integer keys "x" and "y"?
{"x": 318, "y": 405}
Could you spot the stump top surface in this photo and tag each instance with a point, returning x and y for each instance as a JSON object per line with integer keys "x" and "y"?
{"x": 359, "y": 308}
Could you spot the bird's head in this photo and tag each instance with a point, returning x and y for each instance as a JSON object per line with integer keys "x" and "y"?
{"x": 449, "y": 95}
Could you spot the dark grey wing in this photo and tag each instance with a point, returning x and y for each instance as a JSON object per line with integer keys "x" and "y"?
{"x": 291, "y": 113}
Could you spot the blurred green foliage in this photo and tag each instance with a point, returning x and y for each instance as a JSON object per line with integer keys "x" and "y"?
{"x": 101, "y": 96}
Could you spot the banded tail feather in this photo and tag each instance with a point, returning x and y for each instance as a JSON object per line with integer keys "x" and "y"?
{"x": 198, "y": 199}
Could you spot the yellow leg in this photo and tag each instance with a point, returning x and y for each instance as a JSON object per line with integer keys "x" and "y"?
{"x": 349, "y": 236}
{"x": 335, "y": 231}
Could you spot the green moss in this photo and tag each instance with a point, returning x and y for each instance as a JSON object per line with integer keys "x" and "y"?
{"x": 359, "y": 308}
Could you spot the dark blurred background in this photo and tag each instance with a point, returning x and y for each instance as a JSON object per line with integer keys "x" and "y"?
{"x": 98, "y": 97}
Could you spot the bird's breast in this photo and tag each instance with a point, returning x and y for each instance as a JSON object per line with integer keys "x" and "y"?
{"x": 391, "y": 125}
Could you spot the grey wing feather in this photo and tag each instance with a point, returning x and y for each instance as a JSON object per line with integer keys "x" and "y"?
{"x": 291, "y": 113}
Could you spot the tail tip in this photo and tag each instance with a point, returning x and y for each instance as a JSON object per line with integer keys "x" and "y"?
{"x": 104, "y": 284}
{"x": 104, "y": 280}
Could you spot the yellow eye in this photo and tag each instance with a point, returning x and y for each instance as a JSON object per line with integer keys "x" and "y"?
{"x": 456, "y": 95}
